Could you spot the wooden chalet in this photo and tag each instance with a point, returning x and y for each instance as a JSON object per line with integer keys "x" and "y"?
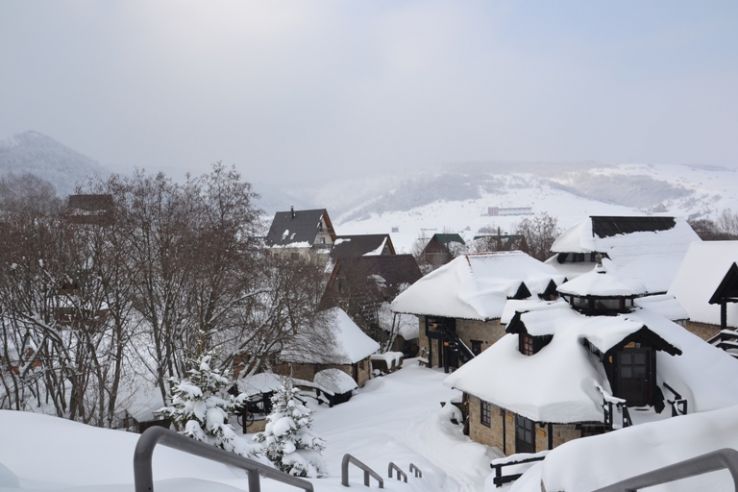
{"x": 442, "y": 248}
{"x": 460, "y": 304}
{"x": 568, "y": 369}
{"x": 706, "y": 285}
{"x": 301, "y": 234}
{"x": 363, "y": 285}
{"x": 647, "y": 248}
{"x": 346, "y": 347}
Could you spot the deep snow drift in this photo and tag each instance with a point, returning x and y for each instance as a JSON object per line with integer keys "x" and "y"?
{"x": 394, "y": 418}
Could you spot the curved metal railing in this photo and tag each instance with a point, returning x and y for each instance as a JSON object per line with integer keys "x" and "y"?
{"x": 717, "y": 460}
{"x": 349, "y": 459}
{"x": 416, "y": 471}
{"x": 401, "y": 475}
{"x": 143, "y": 473}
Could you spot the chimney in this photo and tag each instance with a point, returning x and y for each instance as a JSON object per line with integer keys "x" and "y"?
{"x": 292, "y": 211}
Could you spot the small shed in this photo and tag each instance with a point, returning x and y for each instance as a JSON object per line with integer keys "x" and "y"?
{"x": 335, "y": 385}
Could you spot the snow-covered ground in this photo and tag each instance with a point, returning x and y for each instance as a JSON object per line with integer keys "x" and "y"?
{"x": 393, "y": 418}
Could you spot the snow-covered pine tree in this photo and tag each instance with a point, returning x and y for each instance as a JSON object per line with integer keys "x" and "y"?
{"x": 201, "y": 406}
{"x": 287, "y": 439}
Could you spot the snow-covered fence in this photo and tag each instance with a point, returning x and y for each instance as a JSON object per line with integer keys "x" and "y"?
{"x": 678, "y": 404}
{"x": 349, "y": 459}
{"x": 710, "y": 462}
{"x": 415, "y": 470}
{"x": 513, "y": 461}
{"x": 143, "y": 474}
{"x": 401, "y": 475}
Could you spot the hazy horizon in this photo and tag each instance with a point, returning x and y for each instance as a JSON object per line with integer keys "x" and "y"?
{"x": 295, "y": 91}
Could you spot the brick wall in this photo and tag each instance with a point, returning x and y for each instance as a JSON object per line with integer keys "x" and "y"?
{"x": 488, "y": 332}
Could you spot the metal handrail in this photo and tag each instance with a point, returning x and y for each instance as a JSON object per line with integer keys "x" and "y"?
{"x": 714, "y": 461}
{"x": 401, "y": 475}
{"x": 143, "y": 473}
{"x": 347, "y": 458}
{"x": 414, "y": 469}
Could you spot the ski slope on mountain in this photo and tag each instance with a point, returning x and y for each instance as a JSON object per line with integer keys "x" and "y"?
{"x": 461, "y": 202}
{"x": 394, "y": 418}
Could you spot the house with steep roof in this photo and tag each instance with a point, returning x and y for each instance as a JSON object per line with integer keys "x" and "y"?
{"x": 648, "y": 248}
{"x": 588, "y": 364}
{"x": 363, "y": 286}
{"x": 357, "y": 245}
{"x": 305, "y": 234}
{"x": 460, "y": 304}
{"x": 442, "y": 248}
{"x": 345, "y": 346}
{"x": 706, "y": 285}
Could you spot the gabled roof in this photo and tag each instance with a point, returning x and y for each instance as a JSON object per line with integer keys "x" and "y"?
{"x": 297, "y": 228}
{"x": 557, "y": 384}
{"x": 355, "y": 245}
{"x": 446, "y": 238}
{"x": 476, "y": 286}
{"x": 649, "y": 249}
{"x": 347, "y": 345}
{"x": 705, "y": 266}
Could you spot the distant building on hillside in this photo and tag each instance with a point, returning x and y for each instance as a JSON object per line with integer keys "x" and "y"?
{"x": 648, "y": 248}
{"x": 442, "y": 248}
{"x": 460, "y": 304}
{"x": 503, "y": 211}
{"x": 305, "y": 234}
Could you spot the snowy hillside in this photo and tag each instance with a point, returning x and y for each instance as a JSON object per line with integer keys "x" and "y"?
{"x": 460, "y": 201}
{"x": 35, "y": 153}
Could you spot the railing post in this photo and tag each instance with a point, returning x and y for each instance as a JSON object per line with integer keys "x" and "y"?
{"x": 254, "y": 482}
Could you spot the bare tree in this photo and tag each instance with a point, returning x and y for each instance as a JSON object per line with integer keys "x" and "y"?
{"x": 539, "y": 232}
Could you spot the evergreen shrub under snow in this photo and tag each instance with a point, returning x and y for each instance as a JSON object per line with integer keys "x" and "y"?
{"x": 201, "y": 407}
{"x": 287, "y": 439}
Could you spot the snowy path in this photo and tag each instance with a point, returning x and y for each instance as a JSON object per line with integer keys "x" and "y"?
{"x": 394, "y": 418}
{"x": 398, "y": 418}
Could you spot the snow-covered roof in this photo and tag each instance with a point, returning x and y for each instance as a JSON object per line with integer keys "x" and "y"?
{"x": 704, "y": 267}
{"x": 649, "y": 249}
{"x": 476, "y": 286}
{"x": 664, "y": 304}
{"x": 349, "y": 343}
{"x": 334, "y": 381}
{"x": 558, "y": 383}
{"x": 587, "y": 464}
{"x": 603, "y": 281}
{"x": 263, "y": 382}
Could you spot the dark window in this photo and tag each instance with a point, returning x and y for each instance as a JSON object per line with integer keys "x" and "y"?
{"x": 476, "y": 347}
{"x": 485, "y": 414}
{"x": 529, "y": 345}
{"x": 525, "y": 435}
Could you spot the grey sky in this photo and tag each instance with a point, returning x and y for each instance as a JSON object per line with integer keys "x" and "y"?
{"x": 289, "y": 89}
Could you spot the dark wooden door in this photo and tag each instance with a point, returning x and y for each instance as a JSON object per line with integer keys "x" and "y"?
{"x": 635, "y": 375}
{"x": 525, "y": 435}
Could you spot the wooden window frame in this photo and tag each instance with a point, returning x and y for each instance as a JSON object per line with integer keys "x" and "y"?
{"x": 485, "y": 413}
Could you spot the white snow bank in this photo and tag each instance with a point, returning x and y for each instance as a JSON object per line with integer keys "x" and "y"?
{"x": 476, "y": 286}
{"x": 699, "y": 275}
{"x": 586, "y": 464}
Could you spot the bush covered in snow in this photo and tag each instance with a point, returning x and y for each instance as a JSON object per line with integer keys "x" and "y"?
{"x": 287, "y": 440}
{"x": 201, "y": 406}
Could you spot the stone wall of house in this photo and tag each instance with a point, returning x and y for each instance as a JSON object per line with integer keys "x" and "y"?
{"x": 703, "y": 330}
{"x": 488, "y": 332}
{"x": 502, "y": 426}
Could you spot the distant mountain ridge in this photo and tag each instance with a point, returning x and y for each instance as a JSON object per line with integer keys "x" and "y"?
{"x": 38, "y": 154}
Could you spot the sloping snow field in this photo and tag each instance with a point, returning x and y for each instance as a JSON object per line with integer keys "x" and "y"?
{"x": 394, "y": 418}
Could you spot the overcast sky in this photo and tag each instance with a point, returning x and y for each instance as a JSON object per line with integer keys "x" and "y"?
{"x": 287, "y": 90}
